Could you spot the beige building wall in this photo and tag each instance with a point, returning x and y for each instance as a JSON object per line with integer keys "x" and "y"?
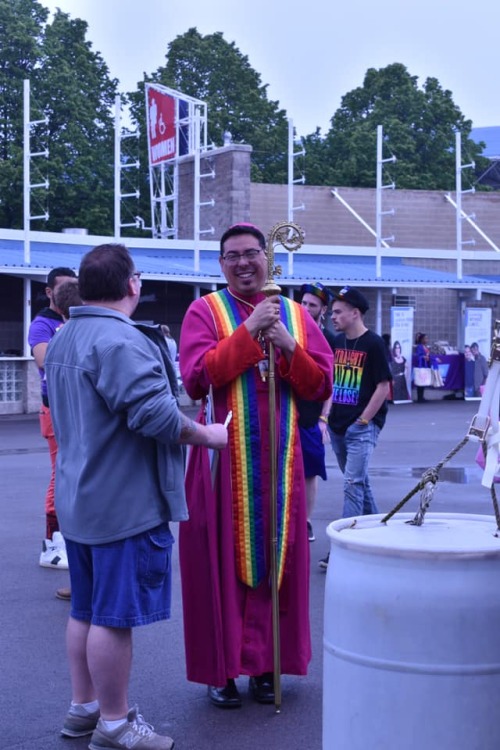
{"x": 422, "y": 218}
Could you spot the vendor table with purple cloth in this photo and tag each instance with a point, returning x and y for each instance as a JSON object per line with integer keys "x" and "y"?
{"x": 452, "y": 368}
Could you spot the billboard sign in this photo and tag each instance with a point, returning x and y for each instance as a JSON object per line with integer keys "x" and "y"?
{"x": 477, "y": 330}
{"x": 401, "y": 353}
{"x": 162, "y": 141}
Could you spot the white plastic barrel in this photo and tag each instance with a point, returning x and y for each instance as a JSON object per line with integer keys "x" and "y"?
{"x": 412, "y": 634}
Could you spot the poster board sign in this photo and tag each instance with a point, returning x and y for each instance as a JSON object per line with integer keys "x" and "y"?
{"x": 162, "y": 136}
{"x": 477, "y": 330}
{"x": 401, "y": 350}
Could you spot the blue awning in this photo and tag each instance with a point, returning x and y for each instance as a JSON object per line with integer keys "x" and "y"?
{"x": 176, "y": 263}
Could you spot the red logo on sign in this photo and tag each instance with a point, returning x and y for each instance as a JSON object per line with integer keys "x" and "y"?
{"x": 161, "y": 126}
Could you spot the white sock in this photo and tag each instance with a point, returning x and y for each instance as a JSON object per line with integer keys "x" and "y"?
{"x": 110, "y": 725}
{"x": 88, "y": 707}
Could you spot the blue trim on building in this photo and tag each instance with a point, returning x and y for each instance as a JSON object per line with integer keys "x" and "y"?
{"x": 177, "y": 264}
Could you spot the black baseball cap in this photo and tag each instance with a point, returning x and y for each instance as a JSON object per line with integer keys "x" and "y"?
{"x": 353, "y": 297}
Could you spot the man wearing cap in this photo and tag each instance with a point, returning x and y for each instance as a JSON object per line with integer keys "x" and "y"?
{"x": 313, "y": 415}
{"x": 224, "y": 547}
{"x": 361, "y": 386}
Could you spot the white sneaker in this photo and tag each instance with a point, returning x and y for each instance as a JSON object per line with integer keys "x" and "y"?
{"x": 310, "y": 532}
{"x": 58, "y": 540}
{"x": 79, "y": 722}
{"x": 53, "y": 554}
{"x": 135, "y": 732}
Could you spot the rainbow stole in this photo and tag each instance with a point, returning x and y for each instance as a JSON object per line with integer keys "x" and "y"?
{"x": 245, "y": 447}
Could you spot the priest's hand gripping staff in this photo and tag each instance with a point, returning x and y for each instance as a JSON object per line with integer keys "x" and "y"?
{"x": 291, "y": 237}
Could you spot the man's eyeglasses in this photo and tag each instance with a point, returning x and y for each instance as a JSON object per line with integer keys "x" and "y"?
{"x": 233, "y": 258}
{"x": 137, "y": 275}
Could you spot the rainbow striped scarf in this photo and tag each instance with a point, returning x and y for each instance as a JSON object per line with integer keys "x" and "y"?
{"x": 245, "y": 446}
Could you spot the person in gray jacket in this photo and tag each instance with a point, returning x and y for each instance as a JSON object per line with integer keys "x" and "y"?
{"x": 119, "y": 482}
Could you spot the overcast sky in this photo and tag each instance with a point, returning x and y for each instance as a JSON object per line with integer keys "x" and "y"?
{"x": 314, "y": 55}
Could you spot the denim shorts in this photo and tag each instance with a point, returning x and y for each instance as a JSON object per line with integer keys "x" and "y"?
{"x": 125, "y": 583}
{"x": 313, "y": 451}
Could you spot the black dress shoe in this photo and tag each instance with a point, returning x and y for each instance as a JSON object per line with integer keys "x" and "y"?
{"x": 262, "y": 687}
{"x": 225, "y": 697}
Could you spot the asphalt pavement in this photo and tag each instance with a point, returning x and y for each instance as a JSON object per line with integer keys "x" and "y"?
{"x": 36, "y": 687}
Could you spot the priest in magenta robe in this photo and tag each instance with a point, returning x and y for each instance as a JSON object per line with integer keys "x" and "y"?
{"x": 225, "y": 545}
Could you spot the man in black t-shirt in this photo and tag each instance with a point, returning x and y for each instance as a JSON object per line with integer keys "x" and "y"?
{"x": 361, "y": 385}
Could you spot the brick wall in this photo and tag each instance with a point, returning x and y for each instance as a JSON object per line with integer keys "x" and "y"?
{"x": 229, "y": 188}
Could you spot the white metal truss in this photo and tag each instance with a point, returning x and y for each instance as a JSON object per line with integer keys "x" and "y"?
{"x": 28, "y": 186}
{"x": 124, "y": 161}
{"x": 380, "y": 187}
{"x": 458, "y": 204}
{"x": 191, "y": 136}
{"x": 28, "y": 155}
{"x": 293, "y": 180}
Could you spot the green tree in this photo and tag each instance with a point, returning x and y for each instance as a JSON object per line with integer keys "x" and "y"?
{"x": 21, "y": 29}
{"x": 214, "y": 70}
{"x": 316, "y": 170}
{"x": 419, "y": 127}
{"x": 70, "y": 86}
{"x": 78, "y": 97}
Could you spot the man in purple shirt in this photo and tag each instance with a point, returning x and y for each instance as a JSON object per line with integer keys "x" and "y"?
{"x": 41, "y": 331}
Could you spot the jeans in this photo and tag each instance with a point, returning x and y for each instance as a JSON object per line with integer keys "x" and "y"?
{"x": 353, "y": 451}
